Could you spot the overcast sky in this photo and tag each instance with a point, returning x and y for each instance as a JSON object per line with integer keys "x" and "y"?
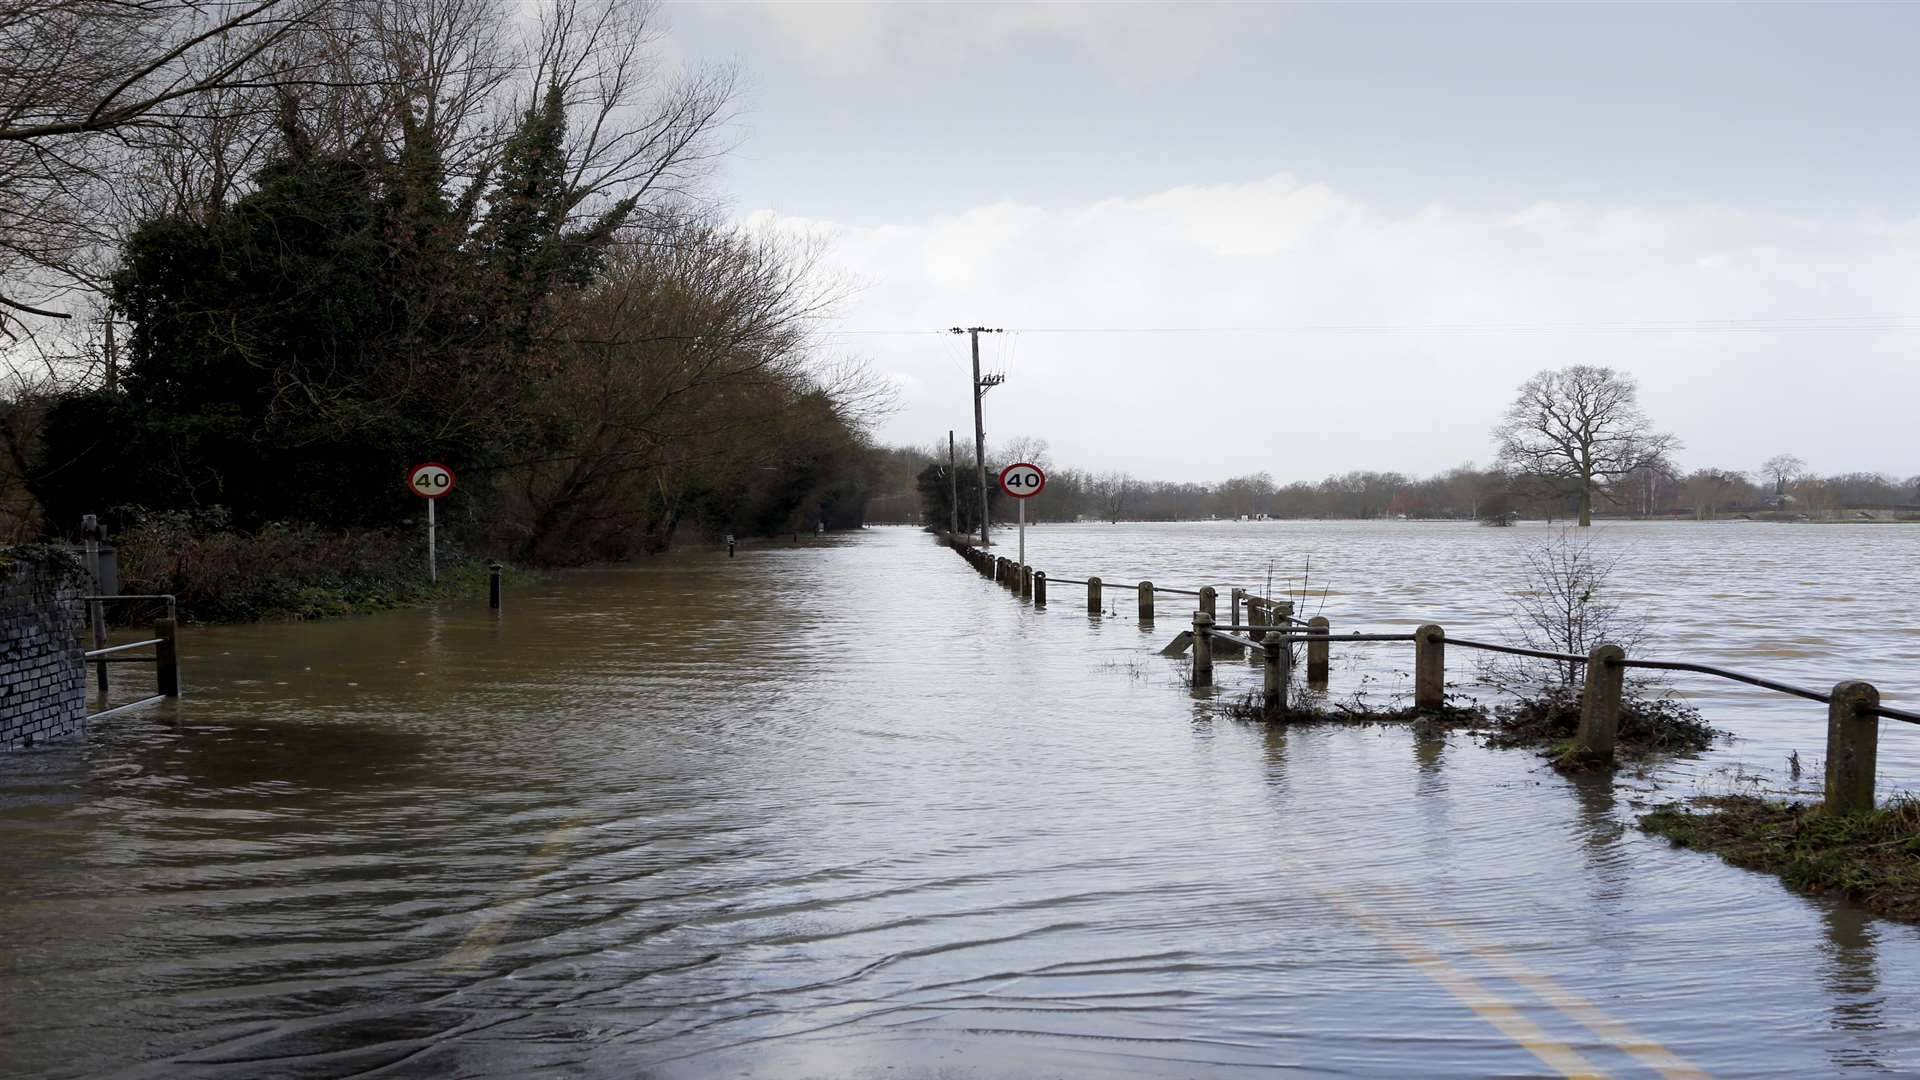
{"x": 1407, "y": 210}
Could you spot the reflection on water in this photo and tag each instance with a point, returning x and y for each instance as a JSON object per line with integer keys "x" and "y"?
{"x": 849, "y": 810}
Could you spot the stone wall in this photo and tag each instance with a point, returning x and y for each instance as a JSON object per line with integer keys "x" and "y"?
{"x": 43, "y": 693}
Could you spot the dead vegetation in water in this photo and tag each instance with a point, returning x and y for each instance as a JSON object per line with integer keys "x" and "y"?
{"x": 1871, "y": 858}
{"x": 1307, "y": 712}
{"x": 1546, "y": 721}
{"x": 1550, "y": 717}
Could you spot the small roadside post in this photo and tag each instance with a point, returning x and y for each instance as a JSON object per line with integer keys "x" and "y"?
{"x": 96, "y": 611}
{"x": 431, "y": 481}
{"x": 1022, "y": 481}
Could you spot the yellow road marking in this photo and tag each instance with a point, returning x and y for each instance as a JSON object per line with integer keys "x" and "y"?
{"x": 484, "y": 938}
{"x": 1587, "y": 1014}
{"x": 1579, "y": 1009}
{"x": 1468, "y": 991}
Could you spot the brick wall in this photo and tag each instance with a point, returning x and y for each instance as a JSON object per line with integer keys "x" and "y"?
{"x": 42, "y": 680}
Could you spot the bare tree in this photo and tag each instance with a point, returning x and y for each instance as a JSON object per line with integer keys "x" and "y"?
{"x": 1562, "y": 605}
{"x": 1815, "y": 497}
{"x": 1112, "y": 489}
{"x": 633, "y": 135}
{"x": 1582, "y": 425}
{"x": 690, "y": 363}
{"x": 82, "y": 81}
{"x": 1710, "y": 489}
{"x": 1027, "y": 448}
{"x": 1783, "y": 470}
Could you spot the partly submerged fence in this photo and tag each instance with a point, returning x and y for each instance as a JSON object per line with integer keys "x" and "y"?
{"x": 165, "y": 657}
{"x": 1854, "y": 710}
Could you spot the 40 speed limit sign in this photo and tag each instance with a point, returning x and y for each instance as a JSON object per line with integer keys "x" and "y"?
{"x": 430, "y": 481}
{"x": 1022, "y": 481}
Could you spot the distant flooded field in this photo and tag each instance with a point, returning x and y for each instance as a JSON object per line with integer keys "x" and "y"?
{"x": 1805, "y": 604}
{"x": 846, "y": 809}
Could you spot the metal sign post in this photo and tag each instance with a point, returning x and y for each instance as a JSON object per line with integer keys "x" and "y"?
{"x": 431, "y": 481}
{"x": 1022, "y": 481}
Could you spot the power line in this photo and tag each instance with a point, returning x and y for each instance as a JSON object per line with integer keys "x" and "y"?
{"x": 1805, "y": 324}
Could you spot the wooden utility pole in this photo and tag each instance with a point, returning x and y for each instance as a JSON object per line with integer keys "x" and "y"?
{"x": 953, "y": 487}
{"x": 980, "y": 388}
{"x": 113, "y": 362}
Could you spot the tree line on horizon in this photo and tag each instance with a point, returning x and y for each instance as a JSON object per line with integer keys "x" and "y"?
{"x": 1574, "y": 442}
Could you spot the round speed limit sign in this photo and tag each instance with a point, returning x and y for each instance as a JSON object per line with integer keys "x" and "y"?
{"x": 430, "y": 481}
{"x": 1022, "y": 481}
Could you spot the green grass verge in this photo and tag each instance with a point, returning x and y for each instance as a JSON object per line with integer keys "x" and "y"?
{"x": 372, "y": 593}
{"x": 1872, "y": 858}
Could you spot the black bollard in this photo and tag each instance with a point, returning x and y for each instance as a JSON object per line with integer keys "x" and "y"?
{"x": 493, "y": 585}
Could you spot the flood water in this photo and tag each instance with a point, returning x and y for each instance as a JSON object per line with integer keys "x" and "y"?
{"x": 848, "y": 810}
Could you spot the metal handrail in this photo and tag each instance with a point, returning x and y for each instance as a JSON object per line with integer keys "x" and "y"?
{"x": 1288, "y": 635}
{"x": 1515, "y": 650}
{"x": 168, "y": 597}
{"x": 93, "y": 653}
{"x": 1754, "y": 680}
{"x": 128, "y": 705}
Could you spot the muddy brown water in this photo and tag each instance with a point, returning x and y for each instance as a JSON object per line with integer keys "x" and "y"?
{"x": 848, "y": 810}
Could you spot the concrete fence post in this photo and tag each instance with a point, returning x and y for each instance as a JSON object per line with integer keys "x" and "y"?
{"x": 1146, "y": 601}
{"x": 1317, "y": 651}
{"x": 1093, "y": 596}
{"x": 166, "y": 658}
{"x": 1600, "y": 705}
{"x": 1274, "y": 703}
{"x": 1853, "y": 745}
{"x": 1208, "y": 594}
{"x": 1039, "y": 588}
{"x": 1202, "y": 649}
{"x": 1429, "y": 668}
{"x": 1237, "y": 594}
{"x": 1258, "y": 619}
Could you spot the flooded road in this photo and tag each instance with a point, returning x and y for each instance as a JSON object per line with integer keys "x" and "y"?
{"x": 849, "y": 810}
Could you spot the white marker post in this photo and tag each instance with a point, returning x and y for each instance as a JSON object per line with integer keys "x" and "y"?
{"x": 430, "y": 481}
{"x": 1022, "y": 481}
